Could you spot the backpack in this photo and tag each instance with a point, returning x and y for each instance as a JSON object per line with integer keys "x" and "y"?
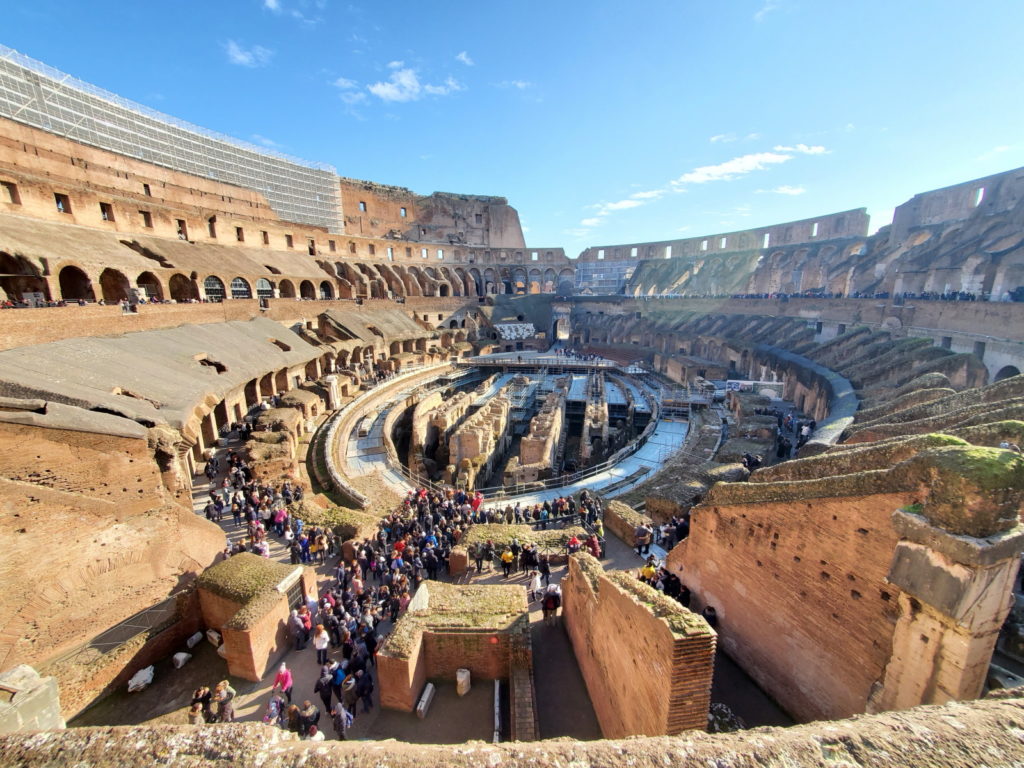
{"x": 550, "y": 603}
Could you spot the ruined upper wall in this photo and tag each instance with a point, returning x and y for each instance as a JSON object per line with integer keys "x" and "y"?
{"x": 979, "y": 197}
{"x": 468, "y": 220}
{"x": 852, "y": 223}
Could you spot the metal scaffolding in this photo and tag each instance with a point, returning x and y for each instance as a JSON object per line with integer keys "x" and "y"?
{"x": 43, "y": 97}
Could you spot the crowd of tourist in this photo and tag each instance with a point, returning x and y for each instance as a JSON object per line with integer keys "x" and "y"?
{"x": 374, "y": 580}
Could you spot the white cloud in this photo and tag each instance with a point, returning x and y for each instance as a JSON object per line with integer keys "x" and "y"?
{"x": 272, "y": 5}
{"x": 352, "y": 97}
{"x": 731, "y": 169}
{"x": 722, "y": 138}
{"x": 257, "y": 56}
{"x": 345, "y": 83}
{"x": 725, "y": 171}
{"x": 520, "y": 85}
{"x": 396, "y": 64}
{"x": 802, "y": 149}
{"x": 765, "y": 9}
{"x": 464, "y": 58}
{"x": 403, "y": 84}
{"x": 450, "y": 86}
{"x": 621, "y": 205}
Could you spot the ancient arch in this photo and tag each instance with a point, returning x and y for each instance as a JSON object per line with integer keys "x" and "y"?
{"x": 520, "y": 281}
{"x": 536, "y": 284}
{"x": 20, "y": 276}
{"x": 182, "y": 288}
{"x": 490, "y": 281}
{"x": 267, "y": 384}
{"x": 240, "y": 288}
{"x": 326, "y": 290}
{"x": 114, "y": 285}
{"x": 287, "y": 289}
{"x": 306, "y": 290}
{"x": 75, "y": 285}
{"x": 264, "y": 288}
{"x": 151, "y": 284}
{"x": 478, "y": 281}
{"x": 214, "y": 288}
{"x": 1006, "y": 372}
{"x": 550, "y": 280}
{"x": 565, "y": 283}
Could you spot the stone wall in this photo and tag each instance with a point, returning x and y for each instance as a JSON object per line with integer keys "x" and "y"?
{"x": 91, "y": 538}
{"x": 478, "y": 442}
{"x": 28, "y": 702}
{"x": 622, "y": 520}
{"x": 644, "y": 676}
{"x": 801, "y": 594}
{"x": 952, "y": 736}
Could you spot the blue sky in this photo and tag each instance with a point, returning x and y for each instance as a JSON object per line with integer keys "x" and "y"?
{"x": 601, "y": 122}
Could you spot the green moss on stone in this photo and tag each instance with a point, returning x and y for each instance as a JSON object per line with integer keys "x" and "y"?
{"x": 680, "y": 620}
{"x": 243, "y": 577}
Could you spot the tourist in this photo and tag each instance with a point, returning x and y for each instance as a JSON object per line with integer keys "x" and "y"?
{"x": 294, "y": 719}
{"x": 642, "y": 539}
{"x": 364, "y": 687}
{"x": 551, "y": 603}
{"x": 223, "y": 695}
{"x": 535, "y": 586}
{"x": 349, "y": 695}
{"x": 342, "y": 720}
{"x": 506, "y": 561}
{"x": 309, "y": 716}
{"x": 544, "y": 567}
{"x": 315, "y": 734}
{"x": 297, "y": 629}
{"x": 283, "y": 681}
{"x": 195, "y": 715}
{"x": 275, "y": 714}
{"x": 321, "y": 641}
{"x": 204, "y": 698}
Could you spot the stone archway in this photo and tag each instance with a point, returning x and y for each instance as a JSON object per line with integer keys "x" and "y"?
{"x": 75, "y": 285}
{"x": 114, "y": 286}
{"x": 213, "y": 286}
{"x": 20, "y": 276}
{"x": 306, "y": 290}
{"x": 151, "y": 284}
{"x": 287, "y": 289}
{"x": 240, "y": 288}
{"x": 1006, "y": 372}
{"x": 182, "y": 289}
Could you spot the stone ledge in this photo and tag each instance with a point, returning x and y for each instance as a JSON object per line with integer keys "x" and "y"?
{"x": 959, "y": 548}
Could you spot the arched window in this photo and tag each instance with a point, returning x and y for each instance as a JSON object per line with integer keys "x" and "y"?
{"x": 240, "y": 289}
{"x": 264, "y": 289}
{"x": 214, "y": 288}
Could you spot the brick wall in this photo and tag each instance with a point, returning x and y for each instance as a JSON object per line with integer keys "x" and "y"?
{"x": 801, "y": 594}
{"x": 437, "y": 654}
{"x": 615, "y": 522}
{"x": 643, "y": 679}
{"x": 252, "y": 652}
{"x": 484, "y": 653}
{"x": 401, "y": 680}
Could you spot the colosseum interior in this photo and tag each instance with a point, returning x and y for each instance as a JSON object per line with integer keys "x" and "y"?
{"x": 847, "y": 578}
